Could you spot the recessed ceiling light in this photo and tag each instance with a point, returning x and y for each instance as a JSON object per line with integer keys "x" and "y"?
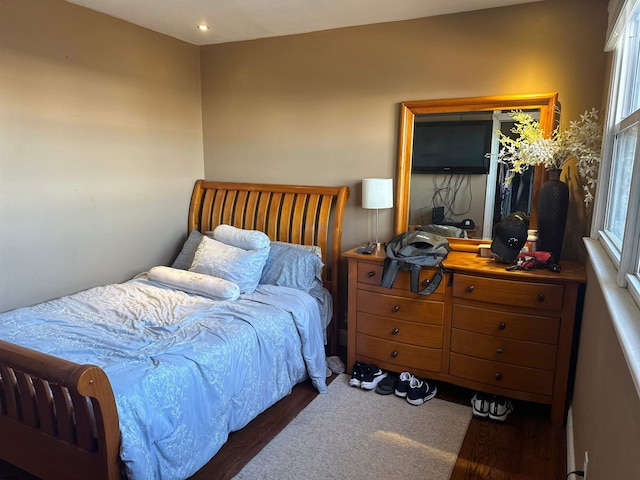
{"x": 203, "y": 27}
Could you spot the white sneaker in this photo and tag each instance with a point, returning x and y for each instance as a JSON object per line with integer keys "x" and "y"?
{"x": 371, "y": 376}
{"x": 403, "y": 384}
{"x": 480, "y": 405}
{"x": 500, "y": 408}
{"x": 356, "y": 375}
{"x": 420, "y": 391}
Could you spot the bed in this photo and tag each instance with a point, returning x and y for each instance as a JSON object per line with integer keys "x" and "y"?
{"x": 150, "y": 379}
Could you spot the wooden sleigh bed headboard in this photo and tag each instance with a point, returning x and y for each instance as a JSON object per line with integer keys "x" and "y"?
{"x": 59, "y": 419}
{"x": 287, "y": 213}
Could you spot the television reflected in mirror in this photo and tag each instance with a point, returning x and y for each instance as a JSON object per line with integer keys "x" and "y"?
{"x": 445, "y": 145}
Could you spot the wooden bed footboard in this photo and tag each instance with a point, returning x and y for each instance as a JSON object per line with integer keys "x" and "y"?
{"x": 58, "y": 419}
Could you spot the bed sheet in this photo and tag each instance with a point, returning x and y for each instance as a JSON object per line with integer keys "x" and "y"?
{"x": 185, "y": 370}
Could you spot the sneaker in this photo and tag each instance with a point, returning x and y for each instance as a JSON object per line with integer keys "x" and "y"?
{"x": 356, "y": 374}
{"x": 500, "y": 408}
{"x": 480, "y": 405}
{"x": 420, "y": 391}
{"x": 371, "y": 376}
{"x": 403, "y": 384}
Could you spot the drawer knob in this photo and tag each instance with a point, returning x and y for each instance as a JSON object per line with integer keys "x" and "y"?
{"x": 541, "y": 297}
{"x": 470, "y": 288}
{"x": 502, "y": 325}
{"x": 498, "y": 376}
{"x": 499, "y": 351}
{"x": 371, "y": 274}
{"x": 396, "y": 308}
{"x": 394, "y": 354}
{"x": 394, "y": 331}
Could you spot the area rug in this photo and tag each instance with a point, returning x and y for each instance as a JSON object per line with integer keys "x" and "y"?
{"x": 350, "y": 433}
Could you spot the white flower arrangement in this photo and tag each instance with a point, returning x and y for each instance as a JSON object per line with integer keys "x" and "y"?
{"x": 582, "y": 140}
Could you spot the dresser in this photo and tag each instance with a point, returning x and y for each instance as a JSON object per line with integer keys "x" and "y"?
{"x": 504, "y": 332}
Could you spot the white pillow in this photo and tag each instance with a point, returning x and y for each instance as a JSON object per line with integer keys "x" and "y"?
{"x": 191, "y": 282}
{"x": 237, "y": 237}
{"x": 242, "y": 267}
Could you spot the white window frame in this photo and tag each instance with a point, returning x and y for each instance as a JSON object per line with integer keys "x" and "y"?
{"x": 626, "y": 260}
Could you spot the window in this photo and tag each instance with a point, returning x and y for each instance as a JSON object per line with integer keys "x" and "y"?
{"x": 618, "y": 201}
{"x": 618, "y": 204}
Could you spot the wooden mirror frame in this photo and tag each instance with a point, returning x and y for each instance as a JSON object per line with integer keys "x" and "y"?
{"x": 545, "y": 102}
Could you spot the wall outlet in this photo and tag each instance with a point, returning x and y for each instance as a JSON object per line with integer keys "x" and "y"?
{"x": 586, "y": 464}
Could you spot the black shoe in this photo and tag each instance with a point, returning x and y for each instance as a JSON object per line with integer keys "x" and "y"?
{"x": 371, "y": 376}
{"x": 388, "y": 385}
{"x": 403, "y": 384}
{"x": 420, "y": 391}
{"x": 356, "y": 374}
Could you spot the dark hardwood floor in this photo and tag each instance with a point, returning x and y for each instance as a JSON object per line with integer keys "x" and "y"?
{"x": 525, "y": 447}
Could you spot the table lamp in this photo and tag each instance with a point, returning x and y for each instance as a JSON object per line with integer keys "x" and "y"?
{"x": 377, "y": 193}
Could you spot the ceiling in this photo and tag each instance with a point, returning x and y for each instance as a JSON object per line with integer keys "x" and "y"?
{"x": 236, "y": 20}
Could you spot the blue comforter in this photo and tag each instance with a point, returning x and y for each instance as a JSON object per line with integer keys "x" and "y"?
{"x": 185, "y": 370}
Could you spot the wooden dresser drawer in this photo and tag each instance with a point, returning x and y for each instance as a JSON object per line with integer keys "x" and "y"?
{"x": 403, "y": 308}
{"x": 400, "y": 331}
{"x": 504, "y": 350}
{"x": 371, "y": 274}
{"x": 503, "y": 375}
{"x": 401, "y": 354}
{"x": 506, "y": 292}
{"x": 531, "y": 328}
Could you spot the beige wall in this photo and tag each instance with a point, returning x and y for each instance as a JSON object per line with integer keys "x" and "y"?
{"x": 322, "y": 108}
{"x": 100, "y": 143}
{"x": 606, "y": 407}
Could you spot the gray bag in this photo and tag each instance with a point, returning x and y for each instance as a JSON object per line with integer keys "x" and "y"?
{"x": 411, "y": 251}
{"x": 443, "y": 230}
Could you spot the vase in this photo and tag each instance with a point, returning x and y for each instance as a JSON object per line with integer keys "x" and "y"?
{"x": 553, "y": 204}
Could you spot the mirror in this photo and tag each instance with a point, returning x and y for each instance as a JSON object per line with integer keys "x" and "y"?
{"x": 467, "y": 111}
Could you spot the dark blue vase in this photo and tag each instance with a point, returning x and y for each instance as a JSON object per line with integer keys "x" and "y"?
{"x": 553, "y": 204}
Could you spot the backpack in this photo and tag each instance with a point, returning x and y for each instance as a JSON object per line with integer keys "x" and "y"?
{"x": 410, "y": 251}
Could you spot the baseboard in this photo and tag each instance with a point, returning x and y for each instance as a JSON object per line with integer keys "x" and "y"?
{"x": 571, "y": 454}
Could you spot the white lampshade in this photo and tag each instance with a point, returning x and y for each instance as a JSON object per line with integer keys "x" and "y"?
{"x": 377, "y": 193}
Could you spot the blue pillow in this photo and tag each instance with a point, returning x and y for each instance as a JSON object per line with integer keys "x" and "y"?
{"x": 185, "y": 258}
{"x": 291, "y": 266}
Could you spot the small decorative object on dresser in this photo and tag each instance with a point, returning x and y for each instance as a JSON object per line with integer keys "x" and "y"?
{"x": 510, "y": 235}
{"x": 506, "y": 333}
